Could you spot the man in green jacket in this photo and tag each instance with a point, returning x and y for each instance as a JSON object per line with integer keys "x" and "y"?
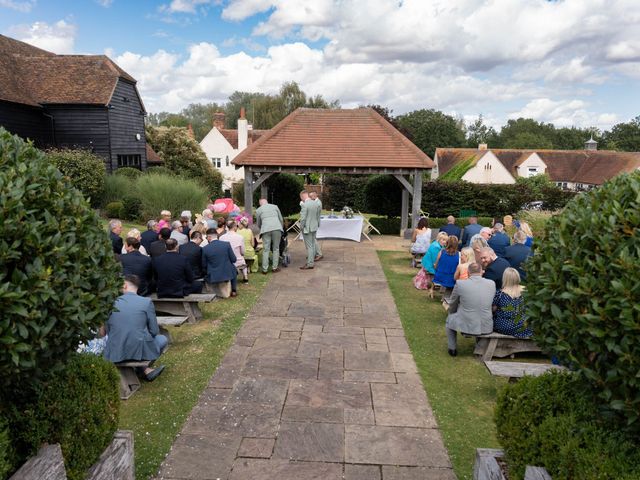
{"x": 269, "y": 220}
{"x": 309, "y": 223}
{"x": 314, "y": 196}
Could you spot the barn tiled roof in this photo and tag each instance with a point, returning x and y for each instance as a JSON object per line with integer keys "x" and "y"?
{"x": 232, "y": 136}
{"x": 32, "y": 76}
{"x": 577, "y": 166}
{"x": 334, "y": 138}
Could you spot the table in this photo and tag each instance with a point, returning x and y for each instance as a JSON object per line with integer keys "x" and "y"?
{"x": 347, "y": 228}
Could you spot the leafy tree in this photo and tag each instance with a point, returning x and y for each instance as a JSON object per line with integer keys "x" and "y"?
{"x": 527, "y": 133}
{"x": 431, "y": 129}
{"x": 573, "y": 138}
{"x": 85, "y": 171}
{"x": 200, "y": 116}
{"x": 478, "y": 132}
{"x": 624, "y": 136}
{"x": 175, "y": 120}
{"x": 183, "y": 156}
{"x": 528, "y": 140}
{"x": 537, "y": 184}
{"x": 386, "y": 113}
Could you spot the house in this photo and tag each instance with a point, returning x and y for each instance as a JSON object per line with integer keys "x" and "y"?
{"x": 72, "y": 101}
{"x": 569, "y": 169}
{"x": 222, "y": 145}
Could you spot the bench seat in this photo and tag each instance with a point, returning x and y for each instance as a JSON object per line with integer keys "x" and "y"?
{"x": 185, "y": 306}
{"x": 513, "y": 370}
{"x": 499, "y": 345}
{"x": 129, "y": 381}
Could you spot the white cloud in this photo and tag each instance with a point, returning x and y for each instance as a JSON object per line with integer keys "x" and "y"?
{"x": 23, "y": 6}
{"x": 240, "y": 9}
{"x": 105, "y": 3}
{"x": 58, "y": 37}
{"x": 565, "y": 113}
{"x": 184, "y": 6}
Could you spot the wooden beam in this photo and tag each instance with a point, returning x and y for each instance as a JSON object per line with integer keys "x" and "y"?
{"x": 404, "y": 219}
{"x": 261, "y": 179}
{"x": 248, "y": 191}
{"x": 417, "y": 197}
{"x": 404, "y": 182}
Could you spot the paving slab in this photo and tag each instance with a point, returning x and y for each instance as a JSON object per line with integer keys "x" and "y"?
{"x": 319, "y": 384}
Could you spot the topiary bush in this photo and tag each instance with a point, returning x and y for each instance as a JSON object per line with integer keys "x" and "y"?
{"x": 284, "y": 191}
{"x": 128, "y": 172}
{"x": 552, "y": 421}
{"x": 161, "y": 192}
{"x": 85, "y": 170}
{"x": 59, "y": 277}
{"x": 116, "y": 187}
{"x": 77, "y": 407}
{"x": 583, "y": 291}
{"x": 114, "y": 210}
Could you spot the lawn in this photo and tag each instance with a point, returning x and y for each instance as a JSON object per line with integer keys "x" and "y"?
{"x": 460, "y": 389}
{"x": 158, "y": 410}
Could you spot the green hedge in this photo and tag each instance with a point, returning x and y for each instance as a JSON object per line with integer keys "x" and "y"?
{"x": 284, "y": 191}
{"x": 391, "y": 226}
{"x": 345, "y": 190}
{"x": 128, "y": 172}
{"x": 552, "y": 421}
{"x": 583, "y": 291}
{"x": 77, "y": 407}
{"x": 85, "y": 170}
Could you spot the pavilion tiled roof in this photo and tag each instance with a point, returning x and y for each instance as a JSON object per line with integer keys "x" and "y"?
{"x": 358, "y": 138}
{"x": 31, "y": 76}
{"x": 577, "y": 166}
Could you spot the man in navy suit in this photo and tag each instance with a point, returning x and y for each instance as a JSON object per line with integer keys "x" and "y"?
{"x": 193, "y": 252}
{"x": 451, "y": 228}
{"x": 174, "y": 278}
{"x": 470, "y": 230}
{"x": 518, "y": 253}
{"x": 150, "y": 236}
{"x": 494, "y": 266}
{"x": 499, "y": 240}
{"x": 218, "y": 262}
{"x": 135, "y": 263}
{"x": 115, "y": 229}
{"x": 159, "y": 247}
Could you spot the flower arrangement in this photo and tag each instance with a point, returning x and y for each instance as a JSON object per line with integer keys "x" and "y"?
{"x": 347, "y": 212}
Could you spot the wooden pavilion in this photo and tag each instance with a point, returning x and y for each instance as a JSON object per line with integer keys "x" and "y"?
{"x": 358, "y": 142}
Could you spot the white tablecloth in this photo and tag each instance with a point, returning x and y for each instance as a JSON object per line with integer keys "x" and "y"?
{"x": 348, "y": 228}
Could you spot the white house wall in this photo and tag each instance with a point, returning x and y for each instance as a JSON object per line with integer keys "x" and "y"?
{"x": 216, "y": 146}
{"x": 531, "y": 162}
{"x": 488, "y": 170}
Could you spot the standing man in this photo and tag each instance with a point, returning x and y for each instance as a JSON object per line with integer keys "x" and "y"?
{"x": 269, "y": 221}
{"x": 314, "y": 197}
{"x": 309, "y": 223}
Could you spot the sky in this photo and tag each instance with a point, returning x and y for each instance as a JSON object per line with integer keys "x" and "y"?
{"x": 568, "y": 62}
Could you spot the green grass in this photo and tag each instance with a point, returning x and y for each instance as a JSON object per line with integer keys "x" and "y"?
{"x": 158, "y": 410}
{"x": 460, "y": 390}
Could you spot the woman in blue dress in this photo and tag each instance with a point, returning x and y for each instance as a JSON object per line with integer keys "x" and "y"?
{"x": 447, "y": 263}
{"x": 509, "y": 316}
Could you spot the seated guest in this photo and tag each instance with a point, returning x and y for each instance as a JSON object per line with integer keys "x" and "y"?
{"x": 193, "y": 251}
{"x": 115, "y": 229}
{"x": 485, "y": 233}
{"x": 159, "y": 247}
{"x": 447, "y": 263}
{"x": 134, "y": 233}
{"x": 424, "y": 278}
{"x": 176, "y": 233}
{"x": 451, "y": 228}
{"x": 250, "y": 242}
{"x": 524, "y": 226}
{"x": 218, "y": 263}
{"x": 173, "y": 275}
{"x": 493, "y": 265}
{"x": 499, "y": 240}
{"x": 207, "y": 216}
{"x": 509, "y": 315}
{"x": 477, "y": 244}
{"x": 165, "y": 219}
{"x": 518, "y": 253}
{"x": 135, "y": 263}
{"x": 185, "y": 221}
{"x": 421, "y": 238}
{"x": 470, "y": 308}
{"x": 467, "y": 257}
{"x": 133, "y": 330}
{"x": 237, "y": 245}
{"x": 201, "y": 228}
{"x": 470, "y": 230}
{"x": 222, "y": 226}
{"x": 150, "y": 236}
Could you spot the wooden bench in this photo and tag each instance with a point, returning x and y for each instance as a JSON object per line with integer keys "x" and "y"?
{"x": 498, "y": 345}
{"x": 129, "y": 381}
{"x": 172, "y": 321}
{"x": 515, "y": 370}
{"x": 183, "y": 306}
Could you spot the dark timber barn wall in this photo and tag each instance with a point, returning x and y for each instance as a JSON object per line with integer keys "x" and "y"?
{"x": 27, "y": 122}
{"x": 81, "y": 126}
{"x": 126, "y": 119}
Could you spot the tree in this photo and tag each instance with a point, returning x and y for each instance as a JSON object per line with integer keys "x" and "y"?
{"x": 200, "y": 116}
{"x": 183, "y": 156}
{"x": 386, "y": 113}
{"x": 478, "y": 132}
{"x": 573, "y": 138}
{"x": 624, "y": 136}
{"x": 527, "y": 133}
{"x": 431, "y": 129}
{"x": 528, "y": 140}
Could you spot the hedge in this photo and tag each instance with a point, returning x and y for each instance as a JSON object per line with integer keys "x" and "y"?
{"x": 552, "y": 421}
{"x": 284, "y": 191}
{"x": 344, "y": 190}
{"x": 77, "y": 407}
{"x": 391, "y": 226}
{"x": 85, "y": 170}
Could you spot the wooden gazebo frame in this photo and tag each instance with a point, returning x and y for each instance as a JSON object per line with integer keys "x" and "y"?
{"x": 318, "y": 136}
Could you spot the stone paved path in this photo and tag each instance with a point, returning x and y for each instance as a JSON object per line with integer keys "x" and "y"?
{"x": 320, "y": 384}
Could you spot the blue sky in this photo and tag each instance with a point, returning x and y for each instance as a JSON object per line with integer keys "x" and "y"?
{"x": 570, "y": 62}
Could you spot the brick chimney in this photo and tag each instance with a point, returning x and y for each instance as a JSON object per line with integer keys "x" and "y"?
{"x": 218, "y": 120}
{"x": 190, "y": 131}
{"x": 482, "y": 146}
{"x": 243, "y": 131}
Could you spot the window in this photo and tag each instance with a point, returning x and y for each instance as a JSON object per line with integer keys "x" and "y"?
{"x": 133, "y": 161}
{"x": 533, "y": 171}
{"x": 217, "y": 162}
{"x": 227, "y": 161}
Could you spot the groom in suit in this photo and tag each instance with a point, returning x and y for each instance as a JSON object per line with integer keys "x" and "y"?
{"x": 309, "y": 223}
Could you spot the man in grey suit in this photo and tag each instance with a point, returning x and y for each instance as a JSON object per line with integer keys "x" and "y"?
{"x": 318, "y": 254}
{"x": 133, "y": 329}
{"x": 309, "y": 224}
{"x": 470, "y": 307}
{"x": 269, "y": 220}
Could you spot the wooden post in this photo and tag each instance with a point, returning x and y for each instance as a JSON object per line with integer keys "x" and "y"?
{"x": 248, "y": 191}
{"x": 417, "y": 197}
{"x": 264, "y": 190}
{"x": 404, "y": 218}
